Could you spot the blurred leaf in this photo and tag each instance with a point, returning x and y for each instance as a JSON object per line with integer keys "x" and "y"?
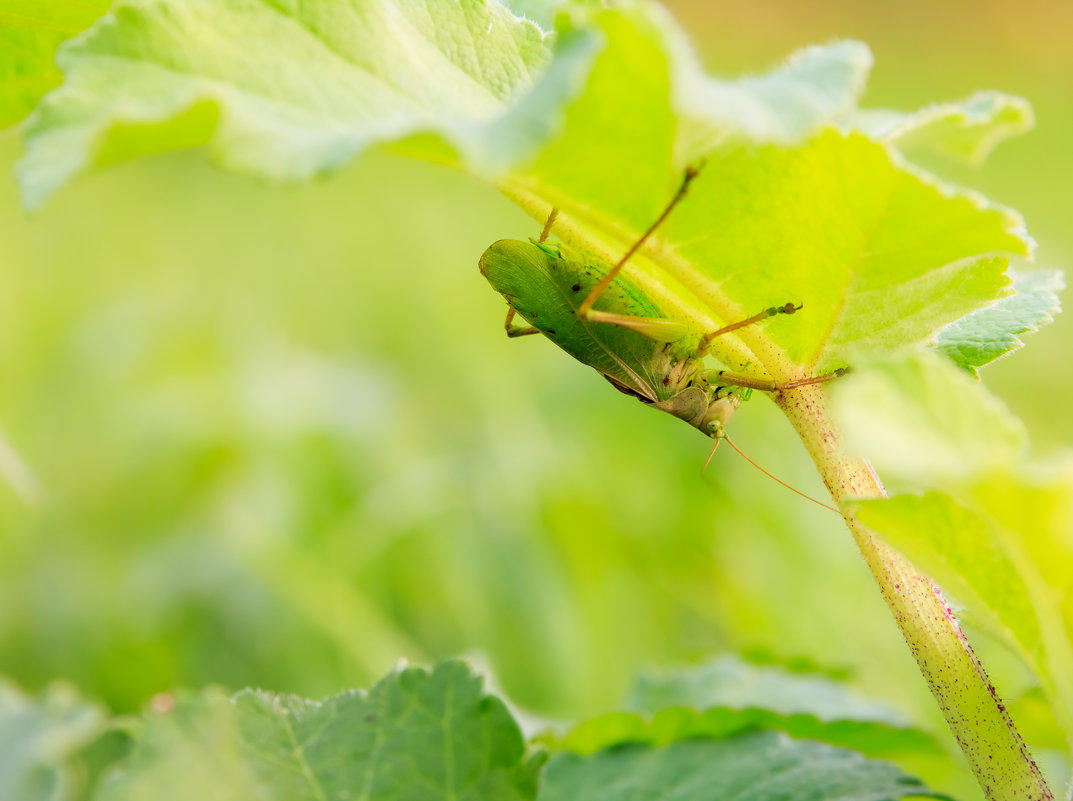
{"x": 30, "y": 32}
{"x": 923, "y": 422}
{"x": 871, "y": 738}
{"x": 996, "y": 532}
{"x": 731, "y": 682}
{"x": 417, "y": 734}
{"x": 37, "y": 739}
{"x": 727, "y": 696}
{"x": 758, "y": 766}
{"x": 967, "y": 130}
{"x": 992, "y": 332}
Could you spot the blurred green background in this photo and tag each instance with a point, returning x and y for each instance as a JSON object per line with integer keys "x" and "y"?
{"x": 275, "y": 436}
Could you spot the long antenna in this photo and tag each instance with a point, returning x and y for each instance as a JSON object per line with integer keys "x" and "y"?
{"x": 741, "y": 453}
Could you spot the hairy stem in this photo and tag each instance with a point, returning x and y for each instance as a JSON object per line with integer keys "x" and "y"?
{"x": 978, "y": 719}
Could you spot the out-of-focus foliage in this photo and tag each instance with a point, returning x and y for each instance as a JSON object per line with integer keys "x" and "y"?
{"x": 266, "y": 458}
{"x": 418, "y": 733}
{"x": 39, "y": 737}
{"x": 30, "y": 32}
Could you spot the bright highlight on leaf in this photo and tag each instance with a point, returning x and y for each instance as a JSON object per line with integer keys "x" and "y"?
{"x": 599, "y": 121}
{"x": 805, "y": 200}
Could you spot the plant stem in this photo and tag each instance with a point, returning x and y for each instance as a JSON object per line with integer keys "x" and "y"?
{"x": 978, "y": 719}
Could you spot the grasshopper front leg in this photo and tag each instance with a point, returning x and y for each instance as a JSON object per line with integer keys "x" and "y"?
{"x": 517, "y": 330}
{"x": 586, "y": 310}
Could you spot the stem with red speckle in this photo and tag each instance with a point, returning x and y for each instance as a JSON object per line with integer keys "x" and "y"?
{"x": 977, "y": 718}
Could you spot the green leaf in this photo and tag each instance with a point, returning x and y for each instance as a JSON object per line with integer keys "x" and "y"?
{"x": 758, "y": 766}
{"x": 871, "y": 738}
{"x": 30, "y": 32}
{"x": 813, "y": 86}
{"x": 37, "y": 739}
{"x": 992, "y": 332}
{"x": 923, "y": 423}
{"x": 786, "y": 210}
{"x": 731, "y": 682}
{"x": 727, "y": 696}
{"x": 282, "y": 89}
{"x": 417, "y": 734}
{"x": 879, "y": 255}
{"x": 967, "y": 130}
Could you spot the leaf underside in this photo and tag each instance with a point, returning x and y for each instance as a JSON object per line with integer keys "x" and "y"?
{"x": 599, "y": 119}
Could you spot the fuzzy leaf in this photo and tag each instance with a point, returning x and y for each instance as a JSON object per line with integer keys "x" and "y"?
{"x": 967, "y": 130}
{"x": 282, "y": 89}
{"x": 758, "y": 766}
{"x": 992, "y": 332}
{"x": 417, "y": 734}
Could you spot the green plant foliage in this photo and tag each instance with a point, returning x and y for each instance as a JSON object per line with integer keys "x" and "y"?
{"x": 758, "y": 766}
{"x": 878, "y": 254}
{"x": 992, "y": 332}
{"x": 992, "y": 528}
{"x": 38, "y": 737}
{"x": 803, "y": 199}
{"x": 424, "y": 734}
{"x": 728, "y": 696}
{"x": 967, "y": 130}
{"x": 732, "y": 682}
{"x": 417, "y": 734}
{"x": 29, "y": 34}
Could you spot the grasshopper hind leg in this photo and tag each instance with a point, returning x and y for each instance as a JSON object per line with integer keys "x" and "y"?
{"x": 517, "y": 330}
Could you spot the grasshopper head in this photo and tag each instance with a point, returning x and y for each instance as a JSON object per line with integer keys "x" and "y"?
{"x": 718, "y": 414}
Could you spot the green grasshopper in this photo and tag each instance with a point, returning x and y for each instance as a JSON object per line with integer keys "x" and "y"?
{"x": 582, "y": 304}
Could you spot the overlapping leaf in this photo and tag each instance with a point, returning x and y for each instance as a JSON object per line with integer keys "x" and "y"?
{"x": 879, "y": 254}
{"x": 994, "y": 331}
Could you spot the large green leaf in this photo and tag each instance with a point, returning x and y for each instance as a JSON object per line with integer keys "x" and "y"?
{"x": 759, "y": 766}
{"x": 30, "y": 32}
{"x": 38, "y": 736}
{"x": 879, "y": 254}
{"x": 996, "y": 531}
{"x": 416, "y": 735}
{"x": 283, "y": 89}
